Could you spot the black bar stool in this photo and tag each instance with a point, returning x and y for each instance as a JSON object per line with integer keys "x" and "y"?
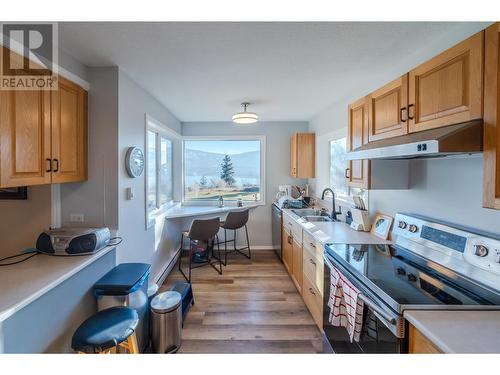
{"x": 235, "y": 220}
{"x": 202, "y": 232}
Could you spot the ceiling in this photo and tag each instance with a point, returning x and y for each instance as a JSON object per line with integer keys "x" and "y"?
{"x": 289, "y": 71}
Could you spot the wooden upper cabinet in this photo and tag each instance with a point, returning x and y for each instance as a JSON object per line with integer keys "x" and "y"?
{"x": 388, "y": 110}
{"x": 357, "y": 135}
{"x": 69, "y": 132}
{"x": 491, "y": 154}
{"x": 448, "y": 88}
{"x": 303, "y": 155}
{"x": 25, "y": 138}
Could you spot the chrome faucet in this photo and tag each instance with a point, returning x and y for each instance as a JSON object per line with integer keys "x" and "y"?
{"x": 334, "y": 210}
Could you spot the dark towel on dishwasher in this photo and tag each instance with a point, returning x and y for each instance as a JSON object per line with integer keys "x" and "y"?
{"x": 370, "y": 327}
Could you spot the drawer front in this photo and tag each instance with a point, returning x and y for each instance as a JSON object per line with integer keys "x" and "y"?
{"x": 313, "y": 268}
{"x": 315, "y": 247}
{"x": 293, "y": 227}
{"x": 314, "y": 301}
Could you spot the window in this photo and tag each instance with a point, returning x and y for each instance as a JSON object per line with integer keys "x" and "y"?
{"x": 231, "y": 168}
{"x": 159, "y": 186}
{"x": 338, "y": 165}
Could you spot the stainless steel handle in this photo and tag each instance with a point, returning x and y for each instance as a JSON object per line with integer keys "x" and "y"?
{"x": 312, "y": 261}
{"x": 376, "y": 308}
{"x": 388, "y": 317}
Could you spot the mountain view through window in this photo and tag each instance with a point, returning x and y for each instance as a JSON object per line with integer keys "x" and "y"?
{"x": 227, "y": 168}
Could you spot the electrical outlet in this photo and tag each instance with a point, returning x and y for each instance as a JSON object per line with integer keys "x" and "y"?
{"x": 76, "y": 218}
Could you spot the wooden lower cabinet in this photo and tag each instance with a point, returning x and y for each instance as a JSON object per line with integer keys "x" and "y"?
{"x": 297, "y": 274}
{"x": 313, "y": 299}
{"x": 419, "y": 344}
{"x": 286, "y": 247}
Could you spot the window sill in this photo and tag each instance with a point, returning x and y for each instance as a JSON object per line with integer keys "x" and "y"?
{"x": 182, "y": 210}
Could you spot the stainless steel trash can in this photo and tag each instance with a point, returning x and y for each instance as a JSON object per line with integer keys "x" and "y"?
{"x": 166, "y": 321}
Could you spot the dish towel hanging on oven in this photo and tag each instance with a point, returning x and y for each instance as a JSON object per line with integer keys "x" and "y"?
{"x": 346, "y": 308}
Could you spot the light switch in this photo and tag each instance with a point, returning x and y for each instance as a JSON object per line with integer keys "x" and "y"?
{"x": 129, "y": 193}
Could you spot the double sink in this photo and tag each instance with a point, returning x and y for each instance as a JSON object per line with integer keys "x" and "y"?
{"x": 311, "y": 215}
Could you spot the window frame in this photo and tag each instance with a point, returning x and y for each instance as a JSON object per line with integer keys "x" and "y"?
{"x": 229, "y": 202}
{"x": 161, "y": 131}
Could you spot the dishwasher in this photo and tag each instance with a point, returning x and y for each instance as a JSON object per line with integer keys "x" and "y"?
{"x": 276, "y": 226}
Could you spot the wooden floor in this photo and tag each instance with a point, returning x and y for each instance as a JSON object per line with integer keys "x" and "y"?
{"x": 253, "y": 307}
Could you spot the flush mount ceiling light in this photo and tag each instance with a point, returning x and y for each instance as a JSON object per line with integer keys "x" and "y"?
{"x": 245, "y": 117}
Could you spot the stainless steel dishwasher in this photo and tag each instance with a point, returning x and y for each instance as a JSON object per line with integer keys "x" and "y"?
{"x": 276, "y": 225}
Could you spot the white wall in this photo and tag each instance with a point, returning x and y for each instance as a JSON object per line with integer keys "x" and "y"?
{"x": 277, "y": 164}
{"x": 157, "y": 244}
{"x": 449, "y": 189}
{"x": 21, "y": 221}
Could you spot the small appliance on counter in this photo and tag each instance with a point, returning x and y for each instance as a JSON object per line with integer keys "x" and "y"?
{"x": 73, "y": 241}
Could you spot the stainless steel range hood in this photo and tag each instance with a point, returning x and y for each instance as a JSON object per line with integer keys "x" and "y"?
{"x": 465, "y": 138}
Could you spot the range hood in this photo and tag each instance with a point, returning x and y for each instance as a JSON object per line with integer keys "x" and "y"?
{"x": 465, "y": 138}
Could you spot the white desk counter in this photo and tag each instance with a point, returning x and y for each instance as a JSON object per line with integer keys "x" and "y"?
{"x": 179, "y": 210}
{"x": 23, "y": 283}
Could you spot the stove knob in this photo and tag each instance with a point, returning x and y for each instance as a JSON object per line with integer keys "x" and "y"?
{"x": 413, "y": 228}
{"x": 402, "y": 224}
{"x": 412, "y": 277}
{"x": 401, "y": 271}
{"x": 481, "y": 250}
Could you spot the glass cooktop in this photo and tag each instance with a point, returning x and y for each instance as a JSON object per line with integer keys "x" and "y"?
{"x": 402, "y": 278}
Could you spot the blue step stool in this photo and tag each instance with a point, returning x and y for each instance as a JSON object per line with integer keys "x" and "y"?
{"x": 186, "y": 291}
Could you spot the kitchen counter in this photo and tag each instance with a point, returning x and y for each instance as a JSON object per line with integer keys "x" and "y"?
{"x": 25, "y": 282}
{"x": 179, "y": 210}
{"x": 459, "y": 331}
{"x": 336, "y": 232}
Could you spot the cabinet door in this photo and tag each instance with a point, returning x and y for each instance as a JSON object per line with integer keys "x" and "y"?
{"x": 297, "y": 264}
{"x": 25, "y": 138}
{"x": 286, "y": 240}
{"x": 491, "y": 154}
{"x": 448, "y": 88}
{"x": 69, "y": 133}
{"x": 419, "y": 344}
{"x": 293, "y": 155}
{"x": 388, "y": 110}
{"x": 357, "y": 135}
{"x": 306, "y": 155}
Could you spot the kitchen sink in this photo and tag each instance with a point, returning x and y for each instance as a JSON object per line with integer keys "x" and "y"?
{"x": 306, "y": 212}
{"x": 316, "y": 218}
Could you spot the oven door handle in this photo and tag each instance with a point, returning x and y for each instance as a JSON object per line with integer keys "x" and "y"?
{"x": 377, "y": 309}
{"x": 387, "y": 316}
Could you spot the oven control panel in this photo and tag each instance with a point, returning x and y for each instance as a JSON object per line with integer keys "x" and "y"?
{"x": 480, "y": 251}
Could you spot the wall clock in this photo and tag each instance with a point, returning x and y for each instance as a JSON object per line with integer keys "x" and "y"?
{"x": 134, "y": 162}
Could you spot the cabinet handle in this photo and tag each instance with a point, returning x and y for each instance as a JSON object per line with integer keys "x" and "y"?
{"x": 312, "y": 261}
{"x": 312, "y": 245}
{"x": 311, "y": 291}
{"x": 411, "y": 117}
{"x": 403, "y": 119}
{"x": 50, "y": 165}
{"x": 57, "y": 165}
{"x": 346, "y": 175}
{"x": 290, "y": 239}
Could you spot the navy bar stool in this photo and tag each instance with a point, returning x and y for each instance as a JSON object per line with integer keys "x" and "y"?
{"x": 105, "y": 331}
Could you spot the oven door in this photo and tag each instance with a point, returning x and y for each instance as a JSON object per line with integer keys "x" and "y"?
{"x": 383, "y": 329}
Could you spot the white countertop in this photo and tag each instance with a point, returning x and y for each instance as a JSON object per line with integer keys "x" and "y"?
{"x": 179, "y": 210}
{"x": 459, "y": 331}
{"x": 23, "y": 283}
{"x": 337, "y": 232}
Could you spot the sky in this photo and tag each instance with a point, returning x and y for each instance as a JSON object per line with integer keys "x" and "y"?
{"x": 223, "y": 147}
